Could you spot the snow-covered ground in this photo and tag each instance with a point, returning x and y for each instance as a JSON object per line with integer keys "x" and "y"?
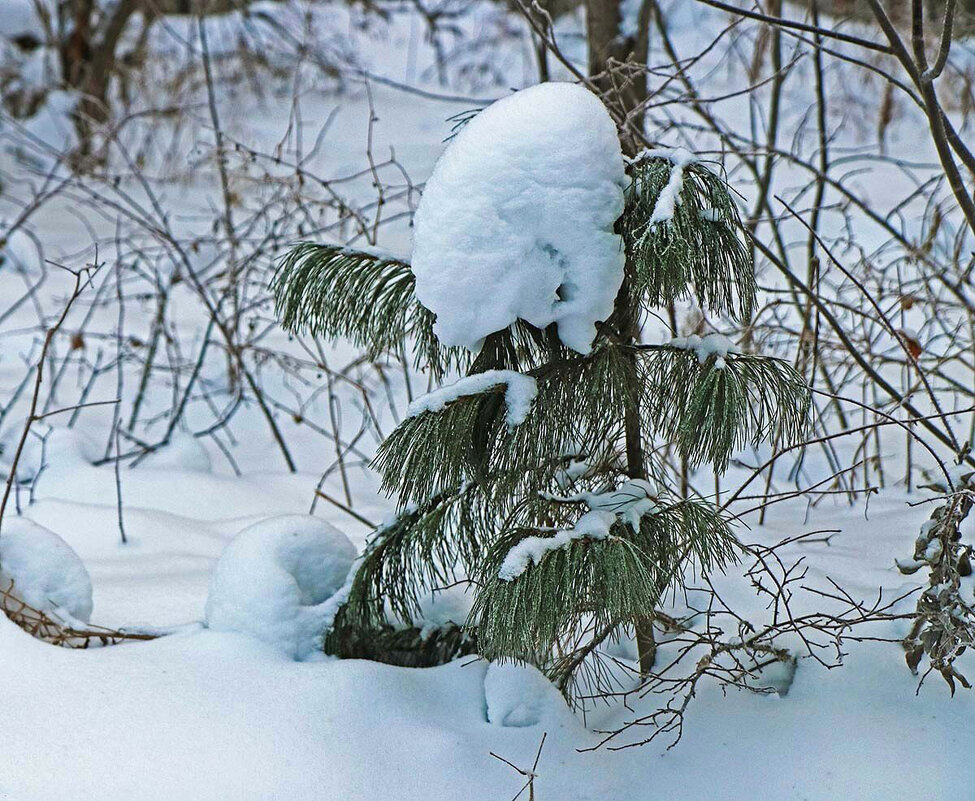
{"x": 206, "y": 714}
{"x": 216, "y": 715}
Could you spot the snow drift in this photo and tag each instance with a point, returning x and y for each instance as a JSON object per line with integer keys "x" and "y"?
{"x": 44, "y": 571}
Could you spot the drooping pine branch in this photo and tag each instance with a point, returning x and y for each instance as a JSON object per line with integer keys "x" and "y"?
{"x": 339, "y": 292}
{"x": 611, "y": 580}
{"x": 469, "y": 439}
{"x": 420, "y": 549}
{"x": 712, "y": 409}
{"x": 365, "y": 297}
{"x": 592, "y": 584}
{"x": 693, "y": 248}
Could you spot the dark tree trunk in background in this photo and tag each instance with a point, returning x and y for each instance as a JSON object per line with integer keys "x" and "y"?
{"x": 617, "y": 65}
{"x": 89, "y": 50}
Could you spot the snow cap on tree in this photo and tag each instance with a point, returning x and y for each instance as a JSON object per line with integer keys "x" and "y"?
{"x": 516, "y": 221}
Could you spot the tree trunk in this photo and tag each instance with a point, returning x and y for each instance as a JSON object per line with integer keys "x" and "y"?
{"x": 617, "y": 64}
{"x": 89, "y": 45}
{"x": 87, "y": 54}
{"x": 617, "y": 67}
{"x": 635, "y": 459}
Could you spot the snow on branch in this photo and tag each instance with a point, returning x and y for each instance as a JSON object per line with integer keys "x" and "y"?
{"x": 633, "y": 500}
{"x": 519, "y": 393}
{"x": 705, "y": 347}
{"x": 594, "y": 525}
{"x": 663, "y": 210}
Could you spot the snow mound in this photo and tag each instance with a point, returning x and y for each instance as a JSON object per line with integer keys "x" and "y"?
{"x": 183, "y": 452}
{"x": 46, "y": 573}
{"x": 274, "y": 579}
{"x": 516, "y": 221}
{"x": 519, "y": 695}
{"x": 44, "y": 445}
{"x": 21, "y": 252}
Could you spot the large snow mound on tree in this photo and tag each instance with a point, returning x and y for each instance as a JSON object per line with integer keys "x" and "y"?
{"x": 44, "y": 571}
{"x": 273, "y": 579}
{"x": 516, "y": 221}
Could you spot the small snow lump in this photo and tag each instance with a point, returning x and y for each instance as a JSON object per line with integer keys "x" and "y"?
{"x": 44, "y": 570}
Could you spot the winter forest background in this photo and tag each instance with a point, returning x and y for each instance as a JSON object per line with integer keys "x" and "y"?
{"x": 207, "y": 435}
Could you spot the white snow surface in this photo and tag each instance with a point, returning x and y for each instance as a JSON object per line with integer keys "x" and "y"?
{"x": 520, "y": 391}
{"x": 225, "y": 715}
{"x": 21, "y": 17}
{"x": 516, "y": 221}
{"x": 44, "y": 445}
{"x": 183, "y": 452}
{"x": 44, "y": 571}
{"x": 274, "y": 580}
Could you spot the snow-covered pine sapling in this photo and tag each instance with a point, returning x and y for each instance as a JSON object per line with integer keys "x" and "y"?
{"x": 539, "y": 252}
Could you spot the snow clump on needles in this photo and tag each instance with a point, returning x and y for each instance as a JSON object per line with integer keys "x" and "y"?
{"x": 516, "y": 221}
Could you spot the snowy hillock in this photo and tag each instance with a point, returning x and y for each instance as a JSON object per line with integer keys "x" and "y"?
{"x": 274, "y": 579}
{"x": 519, "y": 695}
{"x": 40, "y": 569}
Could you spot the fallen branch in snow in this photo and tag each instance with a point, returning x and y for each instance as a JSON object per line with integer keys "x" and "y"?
{"x": 712, "y": 642}
{"x": 42, "y": 626}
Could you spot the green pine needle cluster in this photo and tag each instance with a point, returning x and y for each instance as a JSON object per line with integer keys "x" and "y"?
{"x": 470, "y": 439}
{"x": 698, "y": 252}
{"x": 407, "y": 556}
{"x": 711, "y": 412}
{"x": 594, "y": 582}
{"x": 364, "y": 297}
{"x": 471, "y": 487}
